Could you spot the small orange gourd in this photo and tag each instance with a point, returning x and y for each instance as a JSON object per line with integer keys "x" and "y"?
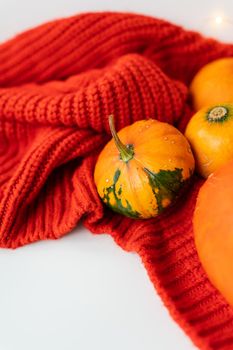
{"x": 213, "y": 84}
{"x": 213, "y": 229}
{"x": 143, "y": 168}
{"x": 210, "y": 134}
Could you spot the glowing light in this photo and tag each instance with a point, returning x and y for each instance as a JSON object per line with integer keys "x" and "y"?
{"x": 218, "y": 20}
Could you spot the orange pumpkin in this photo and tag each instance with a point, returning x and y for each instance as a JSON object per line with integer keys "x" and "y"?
{"x": 210, "y": 134}
{"x": 213, "y": 84}
{"x": 213, "y": 229}
{"x": 143, "y": 168}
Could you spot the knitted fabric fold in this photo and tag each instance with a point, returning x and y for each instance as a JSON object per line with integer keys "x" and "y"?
{"x": 58, "y": 84}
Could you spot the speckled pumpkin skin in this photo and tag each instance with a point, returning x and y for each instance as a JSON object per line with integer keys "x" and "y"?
{"x": 149, "y": 182}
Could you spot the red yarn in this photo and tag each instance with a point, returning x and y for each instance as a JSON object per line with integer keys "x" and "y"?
{"x": 59, "y": 82}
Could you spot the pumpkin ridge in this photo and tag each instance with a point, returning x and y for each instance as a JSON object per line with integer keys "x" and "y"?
{"x": 128, "y": 211}
{"x": 143, "y": 210}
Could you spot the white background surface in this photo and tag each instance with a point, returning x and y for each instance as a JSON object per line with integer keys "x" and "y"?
{"x": 83, "y": 292}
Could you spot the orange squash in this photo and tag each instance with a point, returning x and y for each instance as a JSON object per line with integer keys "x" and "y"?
{"x": 143, "y": 168}
{"x": 213, "y": 84}
{"x": 213, "y": 229}
{"x": 210, "y": 134}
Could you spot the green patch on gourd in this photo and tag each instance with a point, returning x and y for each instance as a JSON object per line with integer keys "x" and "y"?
{"x": 118, "y": 207}
{"x": 166, "y": 184}
{"x": 120, "y": 191}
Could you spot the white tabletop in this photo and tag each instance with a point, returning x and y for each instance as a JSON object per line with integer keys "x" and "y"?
{"x": 82, "y": 291}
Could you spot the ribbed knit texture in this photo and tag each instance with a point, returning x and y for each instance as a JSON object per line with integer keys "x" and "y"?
{"x": 58, "y": 84}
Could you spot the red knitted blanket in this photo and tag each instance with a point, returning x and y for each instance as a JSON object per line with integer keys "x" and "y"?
{"x": 58, "y": 84}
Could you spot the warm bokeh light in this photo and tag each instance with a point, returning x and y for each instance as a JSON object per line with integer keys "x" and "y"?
{"x": 218, "y": 20}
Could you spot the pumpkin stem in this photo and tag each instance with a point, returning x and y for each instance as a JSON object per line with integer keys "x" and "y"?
{"x": 217, "y": 114}
{"x": 126, "y": 151}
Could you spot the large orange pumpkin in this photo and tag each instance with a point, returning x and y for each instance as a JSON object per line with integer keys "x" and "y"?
{"x": 213, "y": 84}
{"x": 143, "y": 168}
{"x": 213, "y": 229}
{"x": 210, "y": 133}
